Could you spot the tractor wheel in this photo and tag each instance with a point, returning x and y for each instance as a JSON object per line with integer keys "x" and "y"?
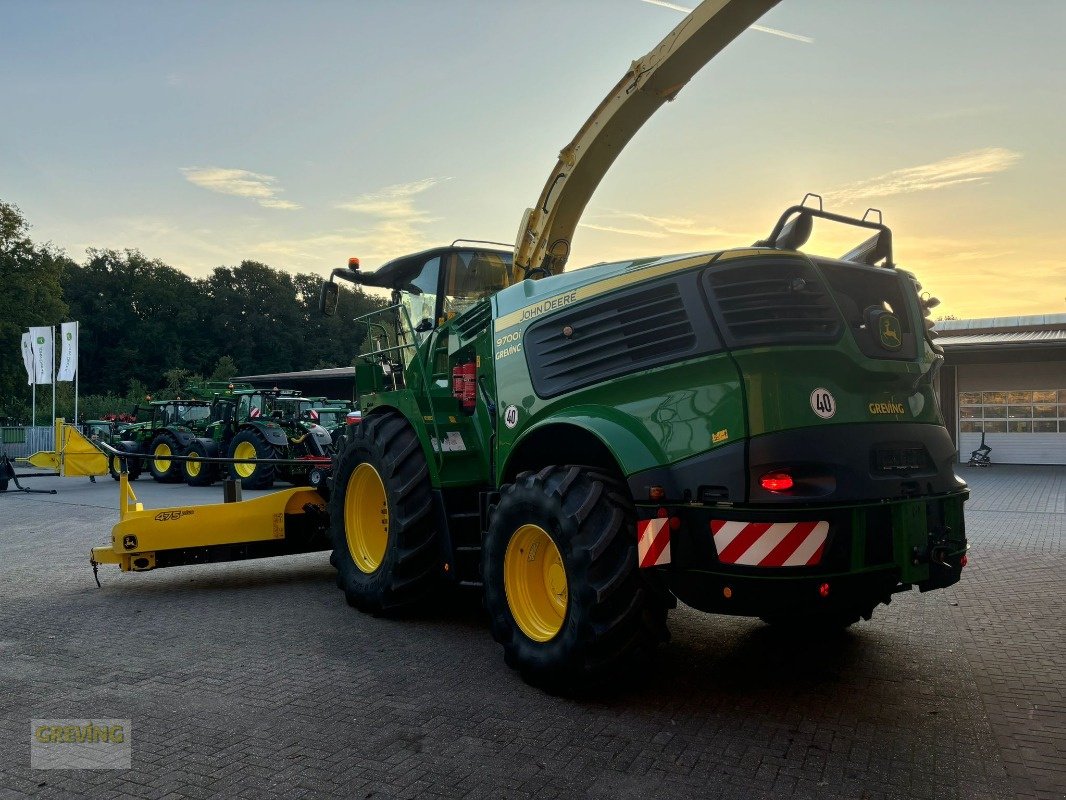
{"x": 564, "y": 594}
{"x": 382, "y": 520}
{"x": 251, "y": 443}
{"x": 133, "y": 465}
{"x": 196, "y": 473}
{"x": 163, "y": 468}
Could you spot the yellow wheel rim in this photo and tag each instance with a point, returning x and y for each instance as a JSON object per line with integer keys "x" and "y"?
{"x": 245, "y": 450}
{"x": 193, "y": 467}
{"x": 534, "y": 579}
{"x": 366, "y": 518}
{"x": 162, "y": 463}
{"x": 116, "y": 464}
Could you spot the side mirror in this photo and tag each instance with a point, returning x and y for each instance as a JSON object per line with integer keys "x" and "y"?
{"x": 328, "y": 297}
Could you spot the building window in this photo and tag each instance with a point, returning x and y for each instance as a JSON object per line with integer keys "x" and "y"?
{"x": 1029, "y": 411}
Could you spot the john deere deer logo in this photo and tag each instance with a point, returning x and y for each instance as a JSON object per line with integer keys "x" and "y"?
{"x": 890, "y": 333}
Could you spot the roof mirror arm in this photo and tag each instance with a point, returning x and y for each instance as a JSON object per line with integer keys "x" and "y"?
{"x": 329, "y": 291}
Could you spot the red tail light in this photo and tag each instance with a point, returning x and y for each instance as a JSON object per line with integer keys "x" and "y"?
{"x": 776, "y": 481}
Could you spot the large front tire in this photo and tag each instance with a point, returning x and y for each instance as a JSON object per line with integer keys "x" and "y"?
{"x": 163, "y": 468}
{"x": 564, "y": 594}
{"x": 382, "y": 520}
{"x": 251, "y": 444}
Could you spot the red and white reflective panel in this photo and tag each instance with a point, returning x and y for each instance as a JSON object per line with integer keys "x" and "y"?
{"x": 314, "y": 415}
{"x": 653, "y": 542}
{"x": 254, "y": 413}
{"x": 765, "y": 544}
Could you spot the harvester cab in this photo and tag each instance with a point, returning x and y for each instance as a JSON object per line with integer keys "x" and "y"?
{"x": 428, "y": 289}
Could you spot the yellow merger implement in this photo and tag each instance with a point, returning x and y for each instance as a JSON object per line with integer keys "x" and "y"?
{"x": 74, "y": 455}
{"x": 282, "y": 523}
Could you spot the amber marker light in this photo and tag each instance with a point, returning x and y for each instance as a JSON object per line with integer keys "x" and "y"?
{"x": 776, "y": 481}
{"x": 656, "y": 493}
{"x": 727, "y": 592}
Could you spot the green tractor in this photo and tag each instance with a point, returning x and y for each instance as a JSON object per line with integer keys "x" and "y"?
{"x": 331, "y": 415}
{"x": 163, "y": 428}
{"x": 754, "y": 432}
{"x": 260, "y": 424}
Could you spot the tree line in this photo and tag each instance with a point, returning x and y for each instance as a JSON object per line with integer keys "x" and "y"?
{"x": 146, "y": 326}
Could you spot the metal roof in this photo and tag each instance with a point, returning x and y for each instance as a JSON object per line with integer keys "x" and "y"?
{"x": 1034, "y": 321}
{"x": 1015, "y": 339}
{"x": 332, "y": 372}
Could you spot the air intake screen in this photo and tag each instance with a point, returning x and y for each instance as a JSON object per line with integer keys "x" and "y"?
{"x": 758, "y": 303}
{"x": 617, "y": 335}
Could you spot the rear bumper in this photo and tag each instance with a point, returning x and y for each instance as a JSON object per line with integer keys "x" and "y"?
{"x": 869, "y": 551}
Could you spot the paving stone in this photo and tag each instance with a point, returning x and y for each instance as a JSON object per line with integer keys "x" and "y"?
{"x": 256, "y": 680}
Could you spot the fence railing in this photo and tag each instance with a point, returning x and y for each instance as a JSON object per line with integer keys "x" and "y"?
{"x": 25, "y": 440}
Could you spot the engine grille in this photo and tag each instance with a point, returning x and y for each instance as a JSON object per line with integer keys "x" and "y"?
{"x": 636, "y": 330}
{"x": 772, "y": 303}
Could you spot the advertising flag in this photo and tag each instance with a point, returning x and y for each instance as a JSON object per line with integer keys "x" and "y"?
{"x": 27, "y": 356}
{"x": 43, "y": 353}
{"x": 68, "y": 361}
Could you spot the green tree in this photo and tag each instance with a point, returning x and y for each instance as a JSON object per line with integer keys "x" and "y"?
{"x": 225, "y": 369}
{"x": 139, "y": 318}
{"x": 30, "y": 294}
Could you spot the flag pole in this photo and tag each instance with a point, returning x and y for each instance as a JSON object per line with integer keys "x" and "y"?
{"x": 77, "y": 338}
{"x": 54, "y": 376}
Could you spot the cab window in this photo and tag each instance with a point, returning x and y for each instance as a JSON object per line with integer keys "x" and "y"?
{"x": 419, "y": 296}
{"x": 470, "y": 276}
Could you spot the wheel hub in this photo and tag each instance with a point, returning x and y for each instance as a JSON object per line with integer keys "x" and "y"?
{"x": 245, "y": 450}
{"x": 534, "y": 579}
{"x": 162, "y": 463}
{"x": 366, "y": 518}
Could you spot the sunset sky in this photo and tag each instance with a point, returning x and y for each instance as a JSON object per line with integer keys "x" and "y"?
{"x": 298, "y": 134}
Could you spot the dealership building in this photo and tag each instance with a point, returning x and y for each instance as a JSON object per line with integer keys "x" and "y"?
{"x": 1004, "y": 376}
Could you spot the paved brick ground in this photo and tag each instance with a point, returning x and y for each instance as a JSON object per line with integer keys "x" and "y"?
{"x": 256, "y": 680}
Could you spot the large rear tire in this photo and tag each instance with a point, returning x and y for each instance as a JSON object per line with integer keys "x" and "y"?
{"x": 382, "y": 520}
{"x": 163, "y": 468}
{"x": 250, "y": 443}
{"x": 565, "y": 596}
